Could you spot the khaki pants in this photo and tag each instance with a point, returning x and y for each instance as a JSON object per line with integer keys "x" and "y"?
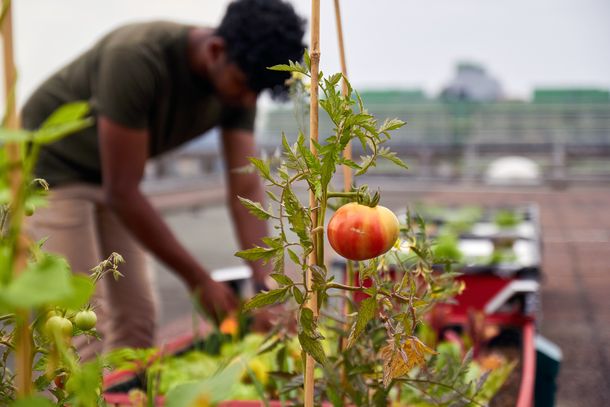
{"x": 81, "y": 228}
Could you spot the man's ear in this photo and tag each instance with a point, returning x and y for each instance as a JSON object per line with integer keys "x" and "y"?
{"x": 215, "y": 49}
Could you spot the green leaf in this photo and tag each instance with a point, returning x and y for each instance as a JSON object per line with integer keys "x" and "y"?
{"x": 68, "y": 112}
{"x": 366, "y": 313}
{"x": 391, "y": 156}
{"x": 282, "y": 279}
{"x": 56, "y": 132}
{"x": 82, "y": 290}
{"x": 266, "y": 298}
{"x": 255, "y": 208}
{"x": 293, "y": 256}
{"x": 298, "y": 295}
{"x": 34, "y": 401}
{"x": 291, "y": 67}
{"x": 85, "y": 384}
{"x": 43, "y": 282}
{"x": 313, "y": 347}
{"x": 318, "y": 274}
{"x": 262, "y": 167}
{"x": 391, "y": 124}
{"x": 307, "y": 59}
{"x": 257, "y": 253}
{"x": 309, "y": 337}
{"x": 212, "y": 390}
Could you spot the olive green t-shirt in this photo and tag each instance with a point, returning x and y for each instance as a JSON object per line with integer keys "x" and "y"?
{"x": 138, "y": 76}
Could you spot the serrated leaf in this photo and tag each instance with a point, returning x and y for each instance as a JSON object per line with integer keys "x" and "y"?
{"x": 257, "y": 253}
{"x": 391, "y": 156}
{"x": 290, "y": 67}
{"x": 313, "y": 347}
{"x": 350, "y": 163}
{"x": 266, "y": 298}
{"x": 281, "y": 67}
{"x": 298, "y": 295}
{"x": 43, "y": 282}
{"x": 366, "y": 162}
{"x": 282, "y": 279}
{"x": 398, "y": 362}
{"x": 366, "y": 313}
{"x": 391, "y": 124}
{"x": 293, "y": 256}
{"x": 318, "y": 275}
{"x": 255, "y": 208}
{"x": 272, "y": 196}
{"x": 307, "y": 59}
{"x": 262, "y": 167}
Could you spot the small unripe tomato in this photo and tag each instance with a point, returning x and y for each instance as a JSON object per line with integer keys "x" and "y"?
{"x": 85, "y": 320}
{"x": 60, "y": 326}
{"x": 359, "y": 232}
{"x": 29, "y": 209}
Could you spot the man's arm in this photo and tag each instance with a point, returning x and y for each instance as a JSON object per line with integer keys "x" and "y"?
{"x": 124, "y": 152}
{"x": 238, "y": 145}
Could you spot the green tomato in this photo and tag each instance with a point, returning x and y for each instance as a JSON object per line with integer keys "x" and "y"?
{"x": 60, "y": 326}
{"x": 29, "y": 209}
{"x": 85, "y": 320}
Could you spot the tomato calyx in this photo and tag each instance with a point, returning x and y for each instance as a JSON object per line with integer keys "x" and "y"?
{"x": 361, "y": 195}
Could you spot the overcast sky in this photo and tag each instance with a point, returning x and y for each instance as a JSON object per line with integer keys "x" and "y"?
{"x": 390, "y": 43}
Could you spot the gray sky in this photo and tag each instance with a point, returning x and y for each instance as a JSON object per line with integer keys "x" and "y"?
{"x": 390, "y": 43}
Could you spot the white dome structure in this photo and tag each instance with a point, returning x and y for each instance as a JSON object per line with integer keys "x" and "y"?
{"x": 513, "y": 170}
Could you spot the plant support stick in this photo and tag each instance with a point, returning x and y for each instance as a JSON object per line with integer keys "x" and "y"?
{"x": 23, "y": 345}
{"x": 313, "y": 203}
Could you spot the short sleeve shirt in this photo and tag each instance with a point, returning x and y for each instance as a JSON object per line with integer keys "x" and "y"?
{"x": 138, "y": 76}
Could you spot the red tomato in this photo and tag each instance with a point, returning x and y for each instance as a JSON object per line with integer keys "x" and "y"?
{"x": 359, "y": 232}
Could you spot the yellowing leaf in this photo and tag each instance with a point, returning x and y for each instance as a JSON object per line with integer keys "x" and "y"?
{"x": 201, "y": 401}
{"x": 397, "y": 362}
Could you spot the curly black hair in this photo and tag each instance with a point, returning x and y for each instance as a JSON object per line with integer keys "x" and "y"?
{"x": 259, "y": 34}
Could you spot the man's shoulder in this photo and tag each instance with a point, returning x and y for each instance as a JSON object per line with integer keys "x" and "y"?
{"x": 150, "y": 34}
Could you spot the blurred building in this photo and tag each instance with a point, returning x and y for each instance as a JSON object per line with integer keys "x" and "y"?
{"x": 460, "y": 132}
{"x": 472, "y": 84}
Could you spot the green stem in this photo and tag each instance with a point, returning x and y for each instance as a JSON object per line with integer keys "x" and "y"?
{"x": 353, "y": 194}
{"x": 447, "y": 386}
{"x": 344, "y": 287}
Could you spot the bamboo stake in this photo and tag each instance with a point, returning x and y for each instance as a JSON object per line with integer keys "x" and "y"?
{"x": 312, "y": 301}
{"x": 23, "y": 345}
{"x": 347, "y": 153}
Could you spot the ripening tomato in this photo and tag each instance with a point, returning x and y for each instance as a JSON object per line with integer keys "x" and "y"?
{"x": 359, "y": 232}
{"x": 229, "y": 326}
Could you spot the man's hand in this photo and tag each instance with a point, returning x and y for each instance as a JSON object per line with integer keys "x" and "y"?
{"x": 217, "y": 299}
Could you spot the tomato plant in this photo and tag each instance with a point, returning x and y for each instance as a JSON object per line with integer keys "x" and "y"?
{"x": 371, "y": 347}
{"x": 38, "y": 291}
{"x": 361, "y": 232}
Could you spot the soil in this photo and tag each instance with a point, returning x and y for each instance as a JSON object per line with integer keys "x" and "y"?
{"x": 508, "y": 345}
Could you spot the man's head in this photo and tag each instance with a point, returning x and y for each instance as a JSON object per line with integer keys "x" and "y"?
{"x": 253, "y": 35}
